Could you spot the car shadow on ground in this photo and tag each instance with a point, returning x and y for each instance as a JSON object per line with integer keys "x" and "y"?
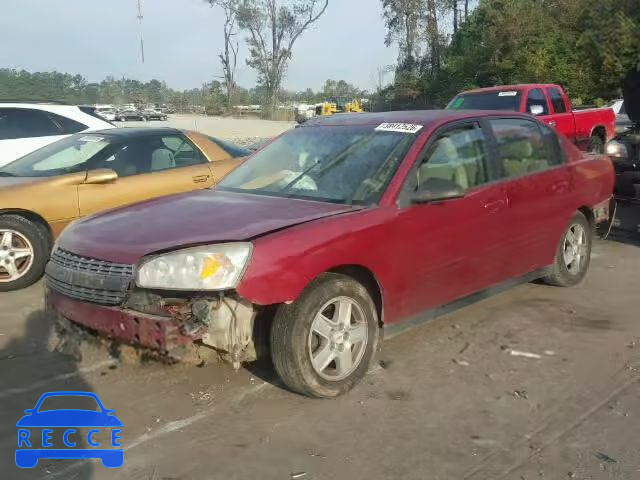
{"x": 625, "y": 237}
{"x": 29, "y": 369}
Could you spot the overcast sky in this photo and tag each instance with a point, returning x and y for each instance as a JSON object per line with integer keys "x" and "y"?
{"x": 97, "y": 38}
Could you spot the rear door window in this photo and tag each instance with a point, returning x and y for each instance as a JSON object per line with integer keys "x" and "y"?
{"x": 67, "y": 125}
{"x": 26, "y": 123}
{"x": 557, "y": 100}
{"x": 523, "y": 148}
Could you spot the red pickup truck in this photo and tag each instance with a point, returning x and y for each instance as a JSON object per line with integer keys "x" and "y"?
{"x": 589, "y": 129}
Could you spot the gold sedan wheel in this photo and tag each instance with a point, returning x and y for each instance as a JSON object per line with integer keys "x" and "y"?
{"x": 16, "y": 255}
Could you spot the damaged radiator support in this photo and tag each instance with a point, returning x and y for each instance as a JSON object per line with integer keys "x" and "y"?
{"x": 228, "y": 326}
{"x": 224, "y": 322}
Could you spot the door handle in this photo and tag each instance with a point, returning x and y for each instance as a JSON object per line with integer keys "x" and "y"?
{"x": 200, "y": 178}
{"x": 493, "y": 206}
{"x": 552, "y": 123}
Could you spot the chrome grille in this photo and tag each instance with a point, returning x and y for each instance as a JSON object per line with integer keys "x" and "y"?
{"x": 88, "y": 279}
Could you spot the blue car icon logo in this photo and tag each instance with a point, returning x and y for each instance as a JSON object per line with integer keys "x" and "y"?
{"x": 36, "y": 428}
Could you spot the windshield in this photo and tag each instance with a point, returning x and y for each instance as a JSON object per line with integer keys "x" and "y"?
{"x": 68, "y": 155}
{"x": 340, "y": 164}
{"x": 496, "y": 100}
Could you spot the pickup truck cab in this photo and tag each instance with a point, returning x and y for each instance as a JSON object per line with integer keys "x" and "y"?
{"x": 589, "y": 129}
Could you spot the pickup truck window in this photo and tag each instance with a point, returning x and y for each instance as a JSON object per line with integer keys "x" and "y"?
{"x": 521, "y": 147}
{"x": 494, "y": 100}
{"x": 458, "y": 155}
{"x": 537, "y": 103}
{"x": 557, "y": 100}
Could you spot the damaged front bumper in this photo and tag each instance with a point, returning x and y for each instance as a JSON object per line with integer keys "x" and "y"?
{"x": 224, "y": 322}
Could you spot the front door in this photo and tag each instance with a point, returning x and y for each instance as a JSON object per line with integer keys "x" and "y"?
{"x": 455, "y": 245}
{"x": 147, "y": 167}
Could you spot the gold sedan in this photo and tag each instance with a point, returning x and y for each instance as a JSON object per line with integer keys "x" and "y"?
{"x": 45, "y": 190}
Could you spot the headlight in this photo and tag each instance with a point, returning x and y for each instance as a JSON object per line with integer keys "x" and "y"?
{"x": 210, "y": 267}
{"x": 616, "y": 149}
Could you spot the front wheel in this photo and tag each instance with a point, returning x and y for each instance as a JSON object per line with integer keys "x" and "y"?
{"x": 323, "y": 344}
{"x": 573, "y": 255}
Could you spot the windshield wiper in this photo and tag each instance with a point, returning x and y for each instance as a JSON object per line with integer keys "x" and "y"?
{"x": 7, "y": 174}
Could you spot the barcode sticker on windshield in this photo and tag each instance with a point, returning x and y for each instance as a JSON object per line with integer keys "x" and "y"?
{"x": 398, "y": 127}
{"x": 507, "y": 94}
{"x": 91, "y": 138}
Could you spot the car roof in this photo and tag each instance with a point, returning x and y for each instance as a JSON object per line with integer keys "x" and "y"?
{"x": 125, "y": 132}
{"x": 520, "y": 86}
{"x": 417, "y": 117}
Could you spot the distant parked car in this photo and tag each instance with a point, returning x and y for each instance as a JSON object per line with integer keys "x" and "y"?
{"x": 107, "y": 113}
{"x": 43, "y": 191}
{"x": 129, "y": 115}
{"x": 338, "y": 229}
{"x": 151, "y": 114}
{"x": 25, "y": 127}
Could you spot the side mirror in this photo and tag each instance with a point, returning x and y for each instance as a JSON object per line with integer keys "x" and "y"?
{"x": 100, "y": 175}
{"x": 437, "y": 191}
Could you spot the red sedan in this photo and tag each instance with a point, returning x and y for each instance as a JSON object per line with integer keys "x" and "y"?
{"x": 337, "y": 230}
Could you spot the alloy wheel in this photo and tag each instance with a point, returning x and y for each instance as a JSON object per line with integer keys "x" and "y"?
{"x": 338, "y": 338}
{"x": 16, "y": 255}
{"x": 575, "y": 248}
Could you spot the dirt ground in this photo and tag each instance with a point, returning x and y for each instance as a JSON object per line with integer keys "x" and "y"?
{"x": 447, "y": 401}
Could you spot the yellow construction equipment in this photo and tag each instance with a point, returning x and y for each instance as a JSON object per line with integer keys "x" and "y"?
{"x": 339, "y": 105}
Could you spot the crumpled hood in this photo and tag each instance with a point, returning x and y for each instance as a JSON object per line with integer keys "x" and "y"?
{"x": 126, "y": 234}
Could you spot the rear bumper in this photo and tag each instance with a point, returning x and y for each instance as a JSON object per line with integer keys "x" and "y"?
{"x": 159, "y": 333}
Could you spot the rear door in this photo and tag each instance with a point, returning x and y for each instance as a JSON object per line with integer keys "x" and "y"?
{"x": 147, "y": 167}
{"x": 455, "y": 244}
{"x": 538, "y": 188}
{"x": 561, "y": 119}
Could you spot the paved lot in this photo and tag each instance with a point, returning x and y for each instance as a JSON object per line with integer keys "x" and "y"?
{"x": 225, "y": 128}
{"x": 449, "y": 401}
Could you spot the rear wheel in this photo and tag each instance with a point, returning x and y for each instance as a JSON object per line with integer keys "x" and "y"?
{"x": 573, "y": 255}
{"x": 323, "y": 344}
{"x": 596, "y": 145}
{"x": 24, "y": 251}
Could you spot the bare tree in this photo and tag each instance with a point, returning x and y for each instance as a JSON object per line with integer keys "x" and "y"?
{"x": 454, "y": 4}
{"x": 229, "y": 56}
{"x": 466, "y": 10}
{"x": 273, "y": 30}
{"x": 404, "y": 19}
{"x": 433, "y": 34}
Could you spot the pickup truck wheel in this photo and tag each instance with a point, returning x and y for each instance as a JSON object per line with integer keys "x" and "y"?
{"x": 596, "y": 145}
{"x": 24, "y": 251}
{"x": 323, "y": 343}
{"x": 573, "y": 255}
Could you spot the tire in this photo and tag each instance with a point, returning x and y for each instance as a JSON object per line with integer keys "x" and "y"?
{"x": 596, "y": 145}
{"x": 565, "y": 273}
{"x": 295, "y": 340}
{"x": 24, "y": 235}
